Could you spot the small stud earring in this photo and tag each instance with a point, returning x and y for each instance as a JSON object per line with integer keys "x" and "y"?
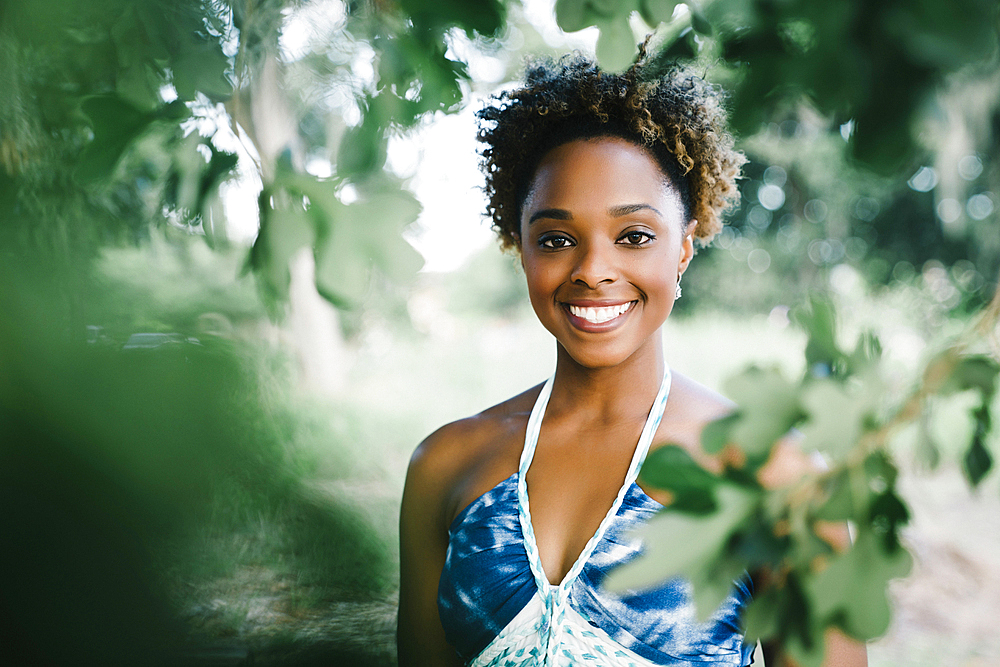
{"x": 677, "y": 292}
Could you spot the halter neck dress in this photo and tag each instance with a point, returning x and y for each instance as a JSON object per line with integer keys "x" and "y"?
{"x": 498, "y": 608}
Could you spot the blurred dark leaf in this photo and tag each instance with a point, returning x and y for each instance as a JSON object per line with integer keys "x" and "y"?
{"x": 977, "y": 372}
{"x": 671, "y": 468}
{"x": 977, "y": 461}
{"x": 115, "y": 123}
{"x": 888, "y": 514}
{"x": 699, "y": 22}
{"x": 201, "y": 67}
{"x": 682, "y": 47}
{"x": 573, "y": 15}
{"x": 484, "y": 16}
{"x": 285, "y": 228}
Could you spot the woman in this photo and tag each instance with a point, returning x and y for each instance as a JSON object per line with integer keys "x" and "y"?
{"x": 512, "y": 518}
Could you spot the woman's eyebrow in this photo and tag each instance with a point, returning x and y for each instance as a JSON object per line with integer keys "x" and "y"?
{"x": 614, "y": 212}
{"x": 551, "y": 214}
{"x": 628, "y": 209}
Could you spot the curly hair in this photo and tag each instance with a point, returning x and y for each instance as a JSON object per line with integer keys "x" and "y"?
{"x": 675, "y": 115}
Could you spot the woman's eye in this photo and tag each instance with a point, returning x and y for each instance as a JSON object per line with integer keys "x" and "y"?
{"x": 636, "y": 238}
{"x": 555, "y": 242}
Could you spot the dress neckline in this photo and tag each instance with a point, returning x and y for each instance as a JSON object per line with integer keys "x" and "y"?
{"x": 545, "y": 587}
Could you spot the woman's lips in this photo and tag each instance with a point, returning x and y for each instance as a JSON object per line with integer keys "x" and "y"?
{"x": 590, "y": 316}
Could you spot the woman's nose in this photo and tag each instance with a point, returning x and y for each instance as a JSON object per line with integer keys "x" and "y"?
{"x": 594, "y": 265}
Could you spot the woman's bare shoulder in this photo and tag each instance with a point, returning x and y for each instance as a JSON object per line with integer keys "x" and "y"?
{"x": 695, "y": 405}
{"x": 691, "y": 401}
{"x": 456, "y": 446}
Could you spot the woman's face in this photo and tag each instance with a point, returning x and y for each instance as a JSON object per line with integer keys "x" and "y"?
{"x": 603, "y": 242}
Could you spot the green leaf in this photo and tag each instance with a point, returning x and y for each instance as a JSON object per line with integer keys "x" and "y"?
{"x": 616, "y": 45}
{"x": 698, "y": 20}
{"x": 201, "y": 67}
{"x": 887, "y": 515}
{"x": 769, "y": 408}
{"x": 761, "y": 618}
{"x": 483, "y": 16}
{"x": 851, "y": 591}
{"x": 973, "y": 372}
{"x": 840, "y": 504}
{"x": 757, "y": 544}
{"x": 836, "y": 418}
{"x": 819, "y": 320}
{"x": 681, "y": 47}
{"x": 285, "y": 228}
{"x": 343, "y": 270}
{"x": 703, "y": 537}
{"x": 928, "y": 452}
{"x": 655, "y": 12}
{"x": 362, "y": 149}
{"x": 710, "y": 586}
{"x": 783, "y": 614}
{"x": 367, "y": 235}
{"x": 867, "y": 352}
{"x": 809, "y": 654}
{"x": 977, "y": 461}
{"x": 715, "y": 435}
{"x": 139, "y": 86}
{"x": 115, "y": 123}
{"x": 573, "y": 15}
{"x": 671, "y": 468}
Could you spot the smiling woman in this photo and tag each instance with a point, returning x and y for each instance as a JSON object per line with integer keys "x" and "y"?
{"x": 512, "y": 519}
{"x": 603, "y": 244}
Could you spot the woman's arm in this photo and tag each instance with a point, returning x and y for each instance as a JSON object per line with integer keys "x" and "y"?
{"x": 423, "y": 542}
{"x": 841, "y": 651}
{"x": 788, "y": 464}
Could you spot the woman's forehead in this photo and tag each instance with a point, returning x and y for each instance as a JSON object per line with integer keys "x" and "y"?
{"x": 605, "y": 170}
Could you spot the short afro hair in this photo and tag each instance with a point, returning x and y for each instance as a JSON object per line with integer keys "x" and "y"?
{"x": 673, "y": 113}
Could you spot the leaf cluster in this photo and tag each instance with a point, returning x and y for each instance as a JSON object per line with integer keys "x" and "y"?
{"x": 872, "y": 63}
{"x": 731, "y": 523}
{"x": 348, "y": 240}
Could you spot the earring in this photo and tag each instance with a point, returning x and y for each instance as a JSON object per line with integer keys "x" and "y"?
{"x": 677, "y": 292}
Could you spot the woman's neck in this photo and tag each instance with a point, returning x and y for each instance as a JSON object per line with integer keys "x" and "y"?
{"x": 610, "y": 393}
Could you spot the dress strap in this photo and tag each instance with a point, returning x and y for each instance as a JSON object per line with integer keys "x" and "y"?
{"x": 527, "y": 454}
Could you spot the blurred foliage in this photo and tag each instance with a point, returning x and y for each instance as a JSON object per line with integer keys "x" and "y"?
{"x": 840, "y": 407}
{"x": 123, "y": 122}
{"x": 130, "y": 474}
{"x": 113, "y": 122}
{"x": 872, "y": 65}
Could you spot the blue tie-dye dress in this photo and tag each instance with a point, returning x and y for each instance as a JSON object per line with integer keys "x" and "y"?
{"x": 498, "y": 608}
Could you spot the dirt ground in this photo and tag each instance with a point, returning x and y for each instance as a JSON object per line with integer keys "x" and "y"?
{"x": 947, "y": 612}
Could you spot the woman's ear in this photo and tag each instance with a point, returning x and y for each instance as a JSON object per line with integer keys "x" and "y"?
{"x": 687, "y": 248}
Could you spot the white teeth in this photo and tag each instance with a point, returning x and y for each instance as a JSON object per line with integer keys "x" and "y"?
{"x": 599, "y": 315}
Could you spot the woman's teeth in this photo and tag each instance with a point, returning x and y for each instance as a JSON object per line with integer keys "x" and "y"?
{"x": 599, "y": 315}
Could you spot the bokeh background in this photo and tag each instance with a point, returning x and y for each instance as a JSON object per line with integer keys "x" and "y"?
{"x": 244, "y": 270}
